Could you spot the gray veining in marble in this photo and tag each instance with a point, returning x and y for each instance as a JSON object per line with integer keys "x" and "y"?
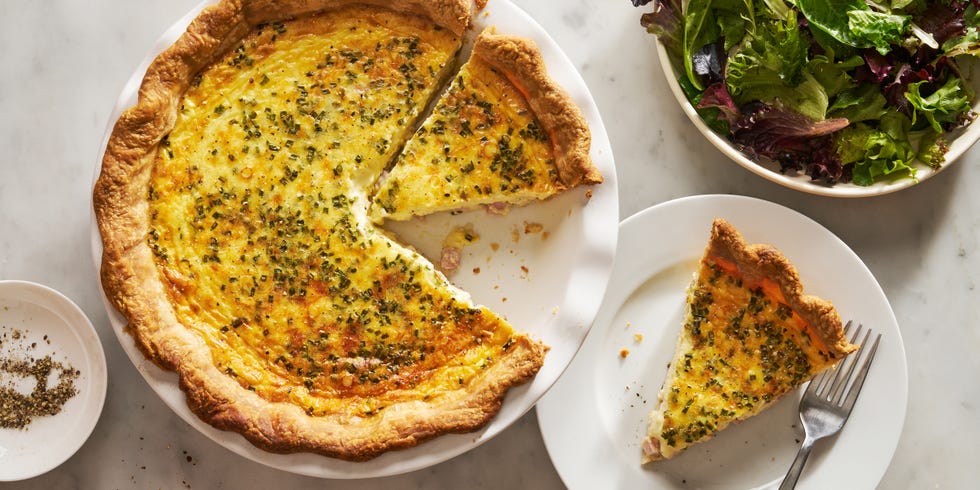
{"x": 64, "y": 63}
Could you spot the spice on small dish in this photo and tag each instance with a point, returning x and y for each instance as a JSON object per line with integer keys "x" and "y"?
{"x": 17, "y": 409}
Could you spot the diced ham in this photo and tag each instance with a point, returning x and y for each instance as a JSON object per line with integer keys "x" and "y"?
{"x": 498, "y": 208}
{"x": 450, "y": 259}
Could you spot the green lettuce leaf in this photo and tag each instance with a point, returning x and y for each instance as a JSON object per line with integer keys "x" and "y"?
{"x": 707, "y": 21}
{"x": 969, "y": 41}
{"x": 776, "y": 9}
{"x": 831, "y": 16}
{"x": 773, "y": 57}
{"x": 901, "y": 4}
{"x": 878, "y": 29}
{"x": 932, "y": 149}
{"x": 863, "y": 103}
{"x": 770, "y": 68}
{"x": 700, "y": 29}
{"x": 878, "y": 153}
{"x": 834, "y": 76}
{"x": 945, "y": 105}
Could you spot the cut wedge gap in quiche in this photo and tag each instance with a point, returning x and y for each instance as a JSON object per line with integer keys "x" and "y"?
{"x": 503, "y": 134}
{"x": 750, "y": 335}
{"x": 233, "y": 208}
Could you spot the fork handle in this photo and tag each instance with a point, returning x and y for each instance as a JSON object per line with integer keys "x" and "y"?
{"x": 789, "y": 481}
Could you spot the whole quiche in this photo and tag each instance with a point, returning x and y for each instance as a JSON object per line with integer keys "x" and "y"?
{"x": 242, "y": 235}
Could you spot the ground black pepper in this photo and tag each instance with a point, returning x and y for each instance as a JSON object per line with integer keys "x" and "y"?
{"x": 18, "y": 410}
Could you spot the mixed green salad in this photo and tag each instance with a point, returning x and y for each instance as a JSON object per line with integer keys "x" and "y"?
{"x": 843, "y": 90}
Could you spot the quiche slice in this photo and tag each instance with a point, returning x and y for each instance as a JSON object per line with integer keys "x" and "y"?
{"x": 503, "y": 133}
{"x": 750, "y": 335}
{"x": 233, "y": 207}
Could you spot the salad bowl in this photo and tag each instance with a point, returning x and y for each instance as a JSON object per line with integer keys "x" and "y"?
{"x": 958, "y": 140}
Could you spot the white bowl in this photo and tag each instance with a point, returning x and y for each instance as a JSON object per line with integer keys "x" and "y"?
{"x": 56, "y": 327}
{"x": 960, "y": 141}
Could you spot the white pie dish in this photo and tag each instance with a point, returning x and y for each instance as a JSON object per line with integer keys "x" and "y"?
{"x": 526, "y": 280}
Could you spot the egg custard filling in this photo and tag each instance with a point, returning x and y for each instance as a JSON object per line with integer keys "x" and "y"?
{"x": 234, "y": 209}
{"x": 484, "y": 143}
{"x": 749, "y": 337}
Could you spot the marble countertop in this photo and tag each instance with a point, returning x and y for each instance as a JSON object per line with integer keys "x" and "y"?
{"x": 65, "y": 63}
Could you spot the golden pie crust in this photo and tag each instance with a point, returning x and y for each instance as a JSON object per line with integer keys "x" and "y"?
{"x": 344, "y": 381}
{"x": 750, "y": 335}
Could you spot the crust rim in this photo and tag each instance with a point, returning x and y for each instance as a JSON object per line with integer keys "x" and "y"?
{"x": 522, "y": 63}
{"x": 765, "y": 261}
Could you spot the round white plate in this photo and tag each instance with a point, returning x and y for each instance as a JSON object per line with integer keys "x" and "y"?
{"x": 525, "y": 276}
{"x": 55, "y": 326}
{"x": 595, "y": 417}
{"x": 961, "y": 140}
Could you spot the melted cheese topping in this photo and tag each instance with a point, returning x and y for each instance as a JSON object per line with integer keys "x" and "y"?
{"x": 259, "y": 223}
{"x": 480, "y": 145}
{"x": 741, "y": 348}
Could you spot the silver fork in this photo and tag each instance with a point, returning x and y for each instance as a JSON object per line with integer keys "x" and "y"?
{"x": 824, "y": 407}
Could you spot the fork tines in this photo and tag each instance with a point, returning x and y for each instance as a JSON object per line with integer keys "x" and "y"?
{"x": 832, "y": 385}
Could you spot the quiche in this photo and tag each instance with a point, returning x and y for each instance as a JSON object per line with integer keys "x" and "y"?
{"x": 750, "y": 335}
{"x": 504, "y": 133}
{"x": 233, "y": 207}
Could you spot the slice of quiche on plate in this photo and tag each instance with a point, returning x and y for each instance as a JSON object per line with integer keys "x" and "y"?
{"x": 503, "y": 134}
{"x": 750, "y": 335}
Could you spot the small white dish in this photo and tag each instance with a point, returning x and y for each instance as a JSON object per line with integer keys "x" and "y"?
{"x": 961, "y": 140}
{"x": 48, "y": 323}
{"x": 595, "y": 417}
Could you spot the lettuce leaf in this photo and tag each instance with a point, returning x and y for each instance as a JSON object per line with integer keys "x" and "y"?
{"x": 968, "y": 43}
{"x": 699, "y": 31}
{"x": 944, "y": 106}
{"x": 835, "y": 77}
{"x": 768, "y": 63}
{"x": 877, "y": 153}
{"x": 863, "y": 103}
{"x": 878, "y": 29}
{"x": 777, "y": 9}
{"x": 932, "y": 149}
{"x": 792, "y": 139}
{"x": 961, "y": 29}
{"x": 831, "y": 16}
{"x": 717, "y": 96}
{"x": 706, "y": 22}
{"x": 665, "y": 22}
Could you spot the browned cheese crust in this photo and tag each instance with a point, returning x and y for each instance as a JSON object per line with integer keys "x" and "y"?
{"x": 133, "y": 283}
{"x": 523, "y": 64}
{"x": 763, "y": 261}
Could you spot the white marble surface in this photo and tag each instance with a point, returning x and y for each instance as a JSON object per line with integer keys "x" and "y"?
{"x": 64, "y": 63}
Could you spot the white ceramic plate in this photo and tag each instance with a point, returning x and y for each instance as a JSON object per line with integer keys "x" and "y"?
{"x": 56, "y": 327}
{"x": 527, "y": 277}
{"x": 594, "y": 418}
{"x": 961, "y": 141}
